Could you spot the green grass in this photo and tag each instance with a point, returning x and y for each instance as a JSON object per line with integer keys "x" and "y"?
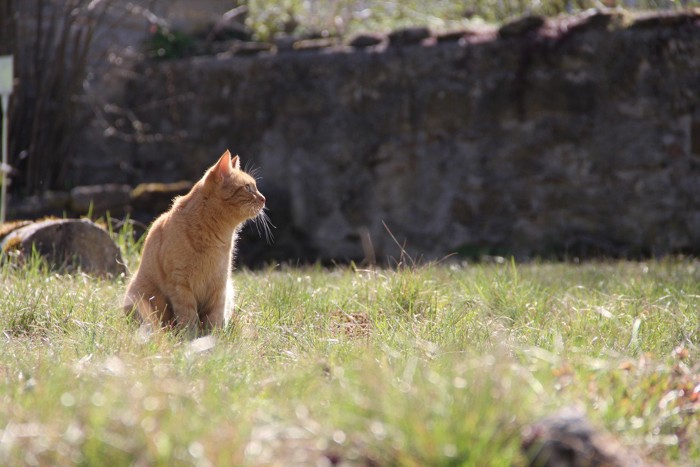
{"x": 431, "y": 365}
{"x": 347, "y": 17}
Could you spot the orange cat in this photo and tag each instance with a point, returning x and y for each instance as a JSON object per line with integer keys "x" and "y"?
{"x": 184, "y": 279}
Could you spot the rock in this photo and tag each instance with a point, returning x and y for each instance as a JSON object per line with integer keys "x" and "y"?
{"x": 452, "y": 36}
{"x": 462, "y": 211}
{"x": 284, "y": 42}
{"x": 57, "y": 200}
{"x": 30, "y": 207}
{"x": 68, "y": 243}
{"x": 665, "y": 19}
{"x": 593, "y": 20}
{"x": 99, "y": 199}
{"x": 567, "y": 438}
{"x": 362, "y": 41}
{"x": 156, "y": 198}
{"x": 250, "y": 48}
{"x": 313, "y": 44}
{"x": 521, "y": 26}
{"x": 8, "y": 227}
{"x": 408, "y": 36}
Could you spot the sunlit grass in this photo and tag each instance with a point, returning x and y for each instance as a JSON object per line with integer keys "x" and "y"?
{"x": 428, "y": 365}
{"x": 346, "y": 17}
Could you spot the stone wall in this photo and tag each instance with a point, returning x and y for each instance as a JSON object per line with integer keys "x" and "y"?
{"x": 578, "y": 136}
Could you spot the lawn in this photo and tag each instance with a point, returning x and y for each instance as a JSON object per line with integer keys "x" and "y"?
{"x": 434, "y": 364}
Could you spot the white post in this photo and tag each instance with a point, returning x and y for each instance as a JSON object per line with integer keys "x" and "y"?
{"x": 4, "y": 168}
{"x": 6, "y": 74}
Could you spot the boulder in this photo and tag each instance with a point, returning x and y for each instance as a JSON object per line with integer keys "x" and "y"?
{"x": 362, "y": 41}
{"x": 593, "y": 20}
{"x": 99, "y": 199}
{"x": 567, "y": 437}
{"x": 67, "y": 244}
{"x": 156, "y": 198}
{"x": 409, "y": 36}
{"x": 665, "y": 19}
{"x": 313, "y": 44}
{"x": 453, "y": 36}
{"x": 247, "y": 48}
{"x": 521, "y": 26}
{"x": 29, "y": 207}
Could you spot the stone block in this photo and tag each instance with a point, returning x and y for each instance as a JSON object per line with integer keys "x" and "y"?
{"x": 67, "y": 244}
{"x": 409, "y": 36}
{"x": 362, "y": 41}
{"x": 521, "y": 26}
{"x": 98, "y": 199}
{"x": 156, "y": 198}
{"x": 665, "y": 19}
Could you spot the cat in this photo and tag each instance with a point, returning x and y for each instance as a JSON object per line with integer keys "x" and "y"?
{"x": 184, "y": 279}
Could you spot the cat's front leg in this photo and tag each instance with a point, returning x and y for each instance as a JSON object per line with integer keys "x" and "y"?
{"x": 215, "y": 315}
{"x": 185, "y": 309}
{"x": 228, "y": 304}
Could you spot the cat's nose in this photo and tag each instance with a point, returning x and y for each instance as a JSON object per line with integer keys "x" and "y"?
{"x": 262, "y": 198}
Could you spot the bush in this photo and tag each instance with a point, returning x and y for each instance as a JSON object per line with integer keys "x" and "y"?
{"x": 47, "y": 113}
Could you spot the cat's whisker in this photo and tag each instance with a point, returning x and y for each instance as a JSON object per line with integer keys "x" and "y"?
{"x": 268, "y": 229}
{"x": 264, "y": 226}
{"x": 252, "y": 171}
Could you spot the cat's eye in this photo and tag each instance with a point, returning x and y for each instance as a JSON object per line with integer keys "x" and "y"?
{"x": 249, "y": 188}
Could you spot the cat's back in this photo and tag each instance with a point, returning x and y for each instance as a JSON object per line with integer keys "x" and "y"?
{"x": 163, "y": 238}
{"x": 180, "y": 238}
{"x": 172, "y": 222}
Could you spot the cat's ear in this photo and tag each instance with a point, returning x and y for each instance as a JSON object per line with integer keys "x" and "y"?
{"x": 222, "y": 168}
{"x": 236, "y": 162}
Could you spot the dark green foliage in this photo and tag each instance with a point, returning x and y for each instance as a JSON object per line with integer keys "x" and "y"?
{"x": 166, "y": 44}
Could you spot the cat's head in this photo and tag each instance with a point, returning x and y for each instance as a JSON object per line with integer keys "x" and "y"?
{"x": 232, "y": 190}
